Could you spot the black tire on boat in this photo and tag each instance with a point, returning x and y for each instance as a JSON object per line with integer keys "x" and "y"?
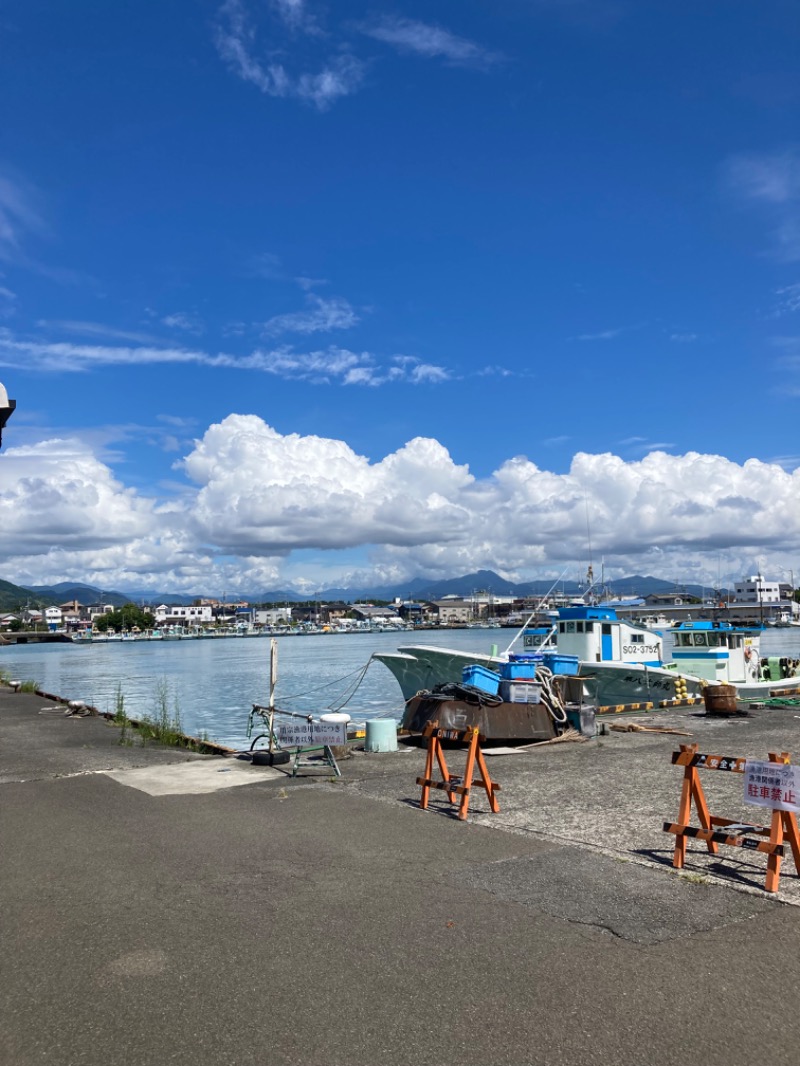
{"x": 270, "y": 758}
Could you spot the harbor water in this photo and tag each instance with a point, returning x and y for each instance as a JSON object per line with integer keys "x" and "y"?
{"x": 212, "y": 684}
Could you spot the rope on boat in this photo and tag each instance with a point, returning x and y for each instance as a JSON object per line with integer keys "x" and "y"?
{"x": 551, "y": 695}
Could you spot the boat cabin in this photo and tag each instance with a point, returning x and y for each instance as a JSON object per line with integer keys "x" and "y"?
{"x": 539, "y": 638}
{"x": 596, "y": 634}
{"x": 715, "y": 651}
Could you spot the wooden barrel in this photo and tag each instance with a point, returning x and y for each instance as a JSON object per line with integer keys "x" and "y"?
{"x": 720, "y": 699}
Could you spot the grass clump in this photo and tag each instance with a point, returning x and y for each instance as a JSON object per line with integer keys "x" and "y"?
{"x": 695, "y": 879}
{"x": 29, "y": 686}
{"x": 165, "y": 725}
{"x": 120, "y": 719}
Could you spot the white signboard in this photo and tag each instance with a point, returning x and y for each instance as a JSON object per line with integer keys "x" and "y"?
{"x": 772, "y": 784}
{"x": 297, "y": 734}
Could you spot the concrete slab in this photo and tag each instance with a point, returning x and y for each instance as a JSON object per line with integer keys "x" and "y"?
{"x": 612, "y": 795}
{"x": 192, "y": 778}
{"x": 629, "y": 901}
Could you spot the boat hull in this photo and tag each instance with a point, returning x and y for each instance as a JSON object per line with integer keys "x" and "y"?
{"x": 613, "y": 684}
{"x": 609, "y": 684}
{"x": 502, "y": 721}
{"x": 419, "y": 667}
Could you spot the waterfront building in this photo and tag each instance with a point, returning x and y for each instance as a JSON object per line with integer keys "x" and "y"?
{"x": 177, "y": 614}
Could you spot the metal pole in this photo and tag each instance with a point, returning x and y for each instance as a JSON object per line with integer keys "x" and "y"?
{"x": 273, "y": 677}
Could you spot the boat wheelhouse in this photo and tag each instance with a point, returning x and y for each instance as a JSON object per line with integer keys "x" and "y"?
{"x": 595, "y": 634}
{"x": 716, "y": 651}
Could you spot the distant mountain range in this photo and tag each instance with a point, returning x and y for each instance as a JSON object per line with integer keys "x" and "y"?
{"x": 12, "y": 597}
{"x": 15, "y": 597}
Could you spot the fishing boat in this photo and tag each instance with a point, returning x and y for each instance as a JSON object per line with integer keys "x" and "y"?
{"x": 703, "y": 653}
{"x": 620, "y": 662}
{"x": 584, "y": 633}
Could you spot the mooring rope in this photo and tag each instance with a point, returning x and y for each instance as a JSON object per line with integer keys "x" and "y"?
{"x": 356, "y": 686}
{"x": 328, "y": 684}
{"x": 337, "y": 703}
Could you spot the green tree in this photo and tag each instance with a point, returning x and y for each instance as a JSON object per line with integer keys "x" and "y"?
{"x": 129, "y": 616}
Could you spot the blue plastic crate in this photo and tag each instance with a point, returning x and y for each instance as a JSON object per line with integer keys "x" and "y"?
{"x": 518, "y": 671}
{"x": 560, "y": 664}
{"x": 481, "y": 678}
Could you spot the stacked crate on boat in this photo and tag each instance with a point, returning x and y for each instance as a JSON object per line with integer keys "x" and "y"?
{"x": 480, "y": 677}
{"x": 518, "y": 680}
{"x": 560, "y": 664}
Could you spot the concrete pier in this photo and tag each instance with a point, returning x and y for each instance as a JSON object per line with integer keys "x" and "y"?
{"x": 33, "y": 637}
{"x": 159, "y": 907}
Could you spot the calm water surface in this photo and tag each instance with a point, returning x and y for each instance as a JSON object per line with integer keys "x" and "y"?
{"x": 214, "y": 683}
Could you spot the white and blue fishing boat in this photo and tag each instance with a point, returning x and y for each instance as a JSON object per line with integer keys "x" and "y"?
{"x": 583, "y": 635}
{"x": 620, "y": 662}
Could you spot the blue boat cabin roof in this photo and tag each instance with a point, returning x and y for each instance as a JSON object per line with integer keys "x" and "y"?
{"x": 607, "y": 614}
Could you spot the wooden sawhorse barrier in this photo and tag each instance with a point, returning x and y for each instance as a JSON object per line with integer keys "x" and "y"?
{"x": 714, "y": 830}
{"x": 451, "y": 784}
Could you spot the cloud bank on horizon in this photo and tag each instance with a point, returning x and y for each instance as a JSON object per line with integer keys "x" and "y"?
{"x": 255, "y": 500}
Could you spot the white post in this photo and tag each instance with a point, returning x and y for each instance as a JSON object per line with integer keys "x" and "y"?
{"x": 273, "y": 677}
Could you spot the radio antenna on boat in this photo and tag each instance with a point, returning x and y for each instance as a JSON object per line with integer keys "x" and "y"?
{"x": 535, "y": 611}
{"x": 590, "y": 570}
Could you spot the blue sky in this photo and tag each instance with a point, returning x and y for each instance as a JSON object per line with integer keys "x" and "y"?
{"x": 304, "y": 293}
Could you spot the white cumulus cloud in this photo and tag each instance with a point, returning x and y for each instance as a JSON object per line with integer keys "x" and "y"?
{"x": 256, "y": 502}
{"x": 58, "y": 492}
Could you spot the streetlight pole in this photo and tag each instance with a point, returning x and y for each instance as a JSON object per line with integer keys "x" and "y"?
{"x": 790, "y": 572}
{"x": 6, "y": 409}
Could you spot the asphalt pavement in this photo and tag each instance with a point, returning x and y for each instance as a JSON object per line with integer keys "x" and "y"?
{"x": 158, "y": 907}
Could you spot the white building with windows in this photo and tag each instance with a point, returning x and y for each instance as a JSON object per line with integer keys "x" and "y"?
{"x": 96, "y": 610}
{"x": 176, "y": 614}
{"x": 760, "y": 598}
{"x": 757, "y": 589}
{"x": 454, "y": 611}
{"x": 273, "y": 616}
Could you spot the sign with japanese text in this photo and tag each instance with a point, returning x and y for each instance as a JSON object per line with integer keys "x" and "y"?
{"x": 298, "y": 734}
{"x": 772, "y": 784}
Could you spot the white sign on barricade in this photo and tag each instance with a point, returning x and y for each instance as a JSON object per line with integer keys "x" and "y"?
{"x": 772, "y": 784}
{"x": 298, "y": 734}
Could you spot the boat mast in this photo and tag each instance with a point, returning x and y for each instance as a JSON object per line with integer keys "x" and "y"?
{"x": 535, "y": 611}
